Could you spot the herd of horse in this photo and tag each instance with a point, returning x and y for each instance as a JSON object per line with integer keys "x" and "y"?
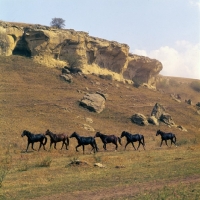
{"x": 82, "y": 140}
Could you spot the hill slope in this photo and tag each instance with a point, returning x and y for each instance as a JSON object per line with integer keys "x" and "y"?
{"x": 35, "y": 98}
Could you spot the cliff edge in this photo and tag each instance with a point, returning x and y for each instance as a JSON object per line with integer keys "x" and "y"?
{"x": 50, "y": 47}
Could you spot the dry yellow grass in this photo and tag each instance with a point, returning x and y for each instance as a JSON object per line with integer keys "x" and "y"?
{"x": 35, "y": 98}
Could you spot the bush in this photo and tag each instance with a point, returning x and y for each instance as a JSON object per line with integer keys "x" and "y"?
{"x": 195, "y": 85}
{"x": 46, "y": 162}
{"x": 73, "y": 61}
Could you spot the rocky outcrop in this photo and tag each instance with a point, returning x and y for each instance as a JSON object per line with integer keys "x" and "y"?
{"x": 160, "y": 114}
{"x": 52, "y": 47}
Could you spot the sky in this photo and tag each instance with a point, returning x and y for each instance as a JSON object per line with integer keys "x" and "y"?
{"x": 167, "y": 30}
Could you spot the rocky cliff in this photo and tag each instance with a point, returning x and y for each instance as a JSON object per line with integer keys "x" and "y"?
{"x": 51, "y": 47}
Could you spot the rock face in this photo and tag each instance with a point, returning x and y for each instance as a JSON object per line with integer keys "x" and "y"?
{"x": 51, "y": 47}
{"x": 93, "y": 102}
{"x": 139, "y": 119}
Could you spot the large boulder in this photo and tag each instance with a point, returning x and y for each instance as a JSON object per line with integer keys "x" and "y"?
{"x": 93, "y": 102}
{"x": 157, "y": 111}
{"x": 198, "y": 104}
{"x": 160, "y": 114}
{"x": 139, "y": 119}
{"x": 167, "y": 119}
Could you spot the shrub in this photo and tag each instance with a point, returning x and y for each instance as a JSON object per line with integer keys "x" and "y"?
{"x": 195, "y": 85}
{"x": 73, "y": 61}
{"x": 46, "y": 162}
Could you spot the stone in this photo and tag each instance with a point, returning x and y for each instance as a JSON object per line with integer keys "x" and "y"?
{"x": 67, "y": 77}
{"x": 167, "y": 119}
{"x": 87, "y": 119}
{"x": 139, "y": 119}
{"x": 174, "y": 97}
{"x": 99, "y": 165}
{"x": 65, "y": 71}
{"x": 88, "y": 127}
{"x": 93, "y": 102}
{"x": 157, "y": 111}
{"x": 153, "y": 120}
{"x": 198, "y": 104}
{"x": 181, "y": 128}
{"x": 189, "y": 101}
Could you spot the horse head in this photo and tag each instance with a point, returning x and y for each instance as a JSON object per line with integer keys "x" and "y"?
{"x": 47, "y": 132}
{"x": 158, "y": 132}
{"x": 97, "y": 134}
{"x": 123, "y": 134}
{"x": 74, "y": 134}
{"x": 25, "y": 132}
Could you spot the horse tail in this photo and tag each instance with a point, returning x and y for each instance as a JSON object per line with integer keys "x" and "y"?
{"x": 142, "y": 138}
{"x": 45, "y": 140}
{"x": 175, "y": 138}
{"x": 119, "y": 139}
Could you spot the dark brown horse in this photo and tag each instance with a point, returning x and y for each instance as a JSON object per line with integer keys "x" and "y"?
{"x": 82, "y": 141}
{"x": 32, "y": 138}
{"x": 58, "y": 138}
{"x": 108, "y": 139}
{"x": 166, "y": 136}
{"x": 131, "y": 138}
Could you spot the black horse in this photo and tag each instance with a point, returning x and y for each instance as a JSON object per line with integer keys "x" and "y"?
{"x": 108, "y": 139}
{"x": 82, "y": 141}
{"x": 166, "y": 136}
{"x": 58, "y": 138}
{"x": 133, "y": 138}
{"x": 32, "y": 138}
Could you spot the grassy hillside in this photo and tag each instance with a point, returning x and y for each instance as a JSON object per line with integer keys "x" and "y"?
{"x": 35, "y": 98}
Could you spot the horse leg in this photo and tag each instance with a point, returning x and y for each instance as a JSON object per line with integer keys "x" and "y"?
{"x": 50, "y": 145}
{"x": 66, "y": 146}
{"x": 62, "y": 145}
{"x": 139, "y": 145}
{"x": 27, "y": 146}
{"x": 166, "y": 142}
{"x": 83, "y": 149}
{"x": 55, "y": 145}
{"x": 40, "y": 145}
{"x": 32, "y": 147}
{"x": 133, "y": 146}
{"x": 126, "y": 145}
{"x": 116, "y": 146}
{"x": 161, "y": 143}
{"x": 104, "y": 146}
{"x": 92, "y": 148}
{"x": 77, "y": 147}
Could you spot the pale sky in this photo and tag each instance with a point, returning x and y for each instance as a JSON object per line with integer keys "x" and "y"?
{"x": 167, "y": 30}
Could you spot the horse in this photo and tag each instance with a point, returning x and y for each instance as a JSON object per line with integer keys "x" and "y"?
{"x": 166, "y": 136}
{"x": 82, "y": 141}
{"x": 131, "y": 138}
{"x": 32, "y": 138}
{"x": 58, "y": 138}
{"x": 108, "y": 139}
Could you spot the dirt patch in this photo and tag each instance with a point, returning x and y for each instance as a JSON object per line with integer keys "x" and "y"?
{"x": 119, "y": 192}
